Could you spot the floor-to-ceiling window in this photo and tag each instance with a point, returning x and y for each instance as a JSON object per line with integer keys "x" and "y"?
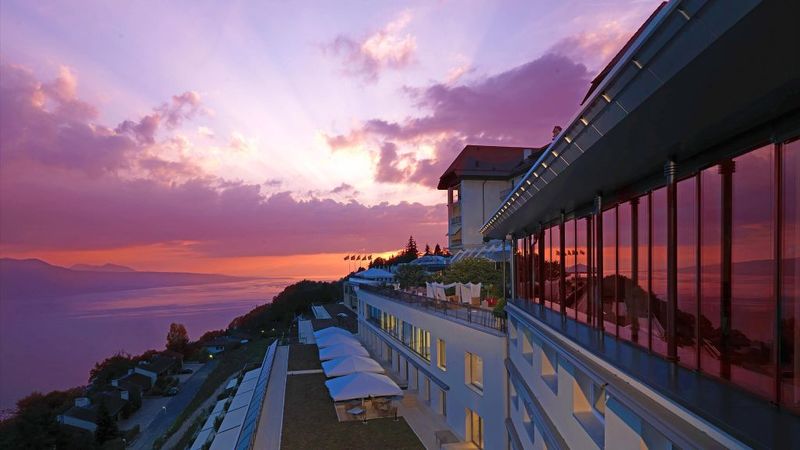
{"x": 729, "y": 281}
{"x": 626, "y": 308}
{"x": 658, "y": 271}
{"x": 790, "y": 275}
{"x": 687, "y": 233}
{"x": 711, "y": 270}
{"x": 751, "y": 339}
{"x": 609, "y": 288}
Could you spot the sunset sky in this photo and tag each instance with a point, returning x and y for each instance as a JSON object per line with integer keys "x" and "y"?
{"x": 270, "y": 138}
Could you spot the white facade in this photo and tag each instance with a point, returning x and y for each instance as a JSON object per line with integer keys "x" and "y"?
{"x": 470, "y": 204}
{"x": 559, "y": 400}
{"x": 446, "y": 390}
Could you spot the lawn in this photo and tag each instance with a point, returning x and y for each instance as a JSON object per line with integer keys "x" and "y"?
{"x": 309, "y": 421}
{"x": 304, "y": 357}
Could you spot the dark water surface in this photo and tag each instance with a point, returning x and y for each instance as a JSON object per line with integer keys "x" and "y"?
{"x": 52, "y": 343}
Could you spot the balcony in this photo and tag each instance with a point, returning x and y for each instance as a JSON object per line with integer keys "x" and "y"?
{"x": 455, "y": 221}
{"x": 479, "y": 317}
{"x": 742, "y": 415}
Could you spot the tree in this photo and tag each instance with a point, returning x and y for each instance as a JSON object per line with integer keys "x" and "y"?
{"x": 427, "y": 250}
{"x": 411, "y": 248}
{"x": 106, "y": 425}
{"x": 177, "y": 338}
{"x": 437, "y": 250}
{"x": 411, "y": 276}
{"x": 476, "y": 270}
{"x": 110, "y": 368}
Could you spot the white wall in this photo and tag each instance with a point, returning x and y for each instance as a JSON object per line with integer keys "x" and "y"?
{"x": 75, "y": 422}
{"x": 479, "y": 200}
{"x": 459, "y": 338}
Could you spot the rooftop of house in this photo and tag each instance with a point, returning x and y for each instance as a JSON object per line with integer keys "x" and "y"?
{"x": 487, "y": 162}
{"x": 159, "y": 364}
{"x": 136, "y": 380}
{"x": 341, "y": 316}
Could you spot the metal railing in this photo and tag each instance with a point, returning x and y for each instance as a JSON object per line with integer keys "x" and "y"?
{"x": 468, "y": 313}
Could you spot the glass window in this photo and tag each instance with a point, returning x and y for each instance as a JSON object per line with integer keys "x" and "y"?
{"x": 752, "y": 320}
{"x": 626, "y": 308}
{"x": 710, "y": 270}
{"x": 555, "y": 241}
{"x": 581, "y": 270}
{"x": 790, "y": 265}
{"x": 474, "y": 369}
{"x": 441, "y": 354}
{"x": 685, "y": 328}
{"x": 609, "y": 270}
{"x": 570, "y": 266}
{"x": 641, "y": 275}
{"x": 658, "y": 272}
{"x": 475, "y": 427}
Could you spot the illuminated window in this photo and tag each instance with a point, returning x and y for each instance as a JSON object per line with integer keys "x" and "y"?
{"x": 474, "y": 427}
{"x": 441, "y": 354}
{"x": 473, "y": 366}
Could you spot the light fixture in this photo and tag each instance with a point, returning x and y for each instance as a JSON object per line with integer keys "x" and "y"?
{"x": 584, "y": 121}
{"x": 637, "y": 64}
{"x": 606, "y": 97}
{"x": 568, "y": 139}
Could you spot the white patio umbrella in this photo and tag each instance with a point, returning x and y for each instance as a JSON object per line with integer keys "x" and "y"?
{"x": 362, "y": 385}
{"x": 331, "y": 330}
{"x": 339, "y": 350}
{"x": 350, "y": 364}
{"x": 334, "y": 339}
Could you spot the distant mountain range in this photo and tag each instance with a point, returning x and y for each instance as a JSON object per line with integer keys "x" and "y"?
{"x": 34, "y": 278}
{"x": 108, "y": 267}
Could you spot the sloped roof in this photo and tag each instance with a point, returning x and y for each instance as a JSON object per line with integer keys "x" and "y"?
{"x": 482, "y": 161}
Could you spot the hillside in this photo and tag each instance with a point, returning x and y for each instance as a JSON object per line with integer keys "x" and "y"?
{"x": 34, "y": 278}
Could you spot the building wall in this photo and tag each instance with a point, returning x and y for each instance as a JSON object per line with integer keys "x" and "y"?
{"x": 78, "y": 423}
{"x": 459, "y": 338}
{"x": 479, "y": 200}
{"x": 566, "y": 400}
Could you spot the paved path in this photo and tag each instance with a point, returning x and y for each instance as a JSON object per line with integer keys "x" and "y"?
{"x": 270, "y": 425}
{"x": 175, "y": 406}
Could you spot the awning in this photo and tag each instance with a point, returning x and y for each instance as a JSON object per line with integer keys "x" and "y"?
{"x": 335, "y": 339}
{"x": 331, "y": 330}
{"x": 339, "y": 350}
{"x": 350, "y": 364}
{"x": 362, "y": 385}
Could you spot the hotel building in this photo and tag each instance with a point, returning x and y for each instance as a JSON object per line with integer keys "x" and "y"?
{"x": 451, "y": 359}
{"x": 655, "y": 297}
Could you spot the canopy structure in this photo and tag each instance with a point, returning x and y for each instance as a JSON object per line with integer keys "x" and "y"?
{"x": 330, "y": 331}
{"x": 339, "y": 350}
{"x": 362, "y": 385}
{"x": 350, "y": 364}
{"x": 334, "y": 339}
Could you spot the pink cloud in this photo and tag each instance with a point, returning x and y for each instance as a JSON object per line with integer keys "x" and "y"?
{"x": 516, "y": 107}
{"x": 367, "y": 57}
{"x": 67, "y": 183}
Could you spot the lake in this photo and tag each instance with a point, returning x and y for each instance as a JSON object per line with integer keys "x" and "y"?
{"x": 52, "y": 343}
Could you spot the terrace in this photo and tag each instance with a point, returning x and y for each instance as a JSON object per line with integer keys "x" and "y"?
{"x": 307, "y": 402}
{"x": 478, "y": 316}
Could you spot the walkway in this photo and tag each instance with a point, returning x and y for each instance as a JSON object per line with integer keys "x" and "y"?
{"x": 270, "y": 425}
{"x": 173, "y": 409}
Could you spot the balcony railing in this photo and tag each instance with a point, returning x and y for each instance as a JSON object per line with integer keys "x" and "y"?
{"x": 455, "y": 221}
{"x": 468, "y": 313}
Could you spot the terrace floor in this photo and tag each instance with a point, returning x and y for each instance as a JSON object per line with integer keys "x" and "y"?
{"x": 309, "y": 416}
